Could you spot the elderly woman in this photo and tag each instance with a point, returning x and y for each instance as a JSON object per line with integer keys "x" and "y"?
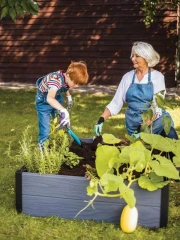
{"x": 138, "y": 88}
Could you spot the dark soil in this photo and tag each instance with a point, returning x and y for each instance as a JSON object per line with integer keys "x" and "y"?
{"x": 87, "y": 151}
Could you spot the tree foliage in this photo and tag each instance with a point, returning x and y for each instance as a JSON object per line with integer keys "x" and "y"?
{"x": 15, "y": 8}
{"x": 150, "y": 8}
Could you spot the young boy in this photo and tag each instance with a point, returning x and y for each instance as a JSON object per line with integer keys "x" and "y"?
{"x": 49, "y": 96}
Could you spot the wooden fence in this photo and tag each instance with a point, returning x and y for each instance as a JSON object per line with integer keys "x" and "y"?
{"x": 99, "y": 32}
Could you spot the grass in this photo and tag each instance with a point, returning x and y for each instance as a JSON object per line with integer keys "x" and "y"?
{"x": 16, "y": 112}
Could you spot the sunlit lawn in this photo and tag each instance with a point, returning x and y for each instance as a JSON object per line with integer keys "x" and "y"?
{"x": 16, "y": 112}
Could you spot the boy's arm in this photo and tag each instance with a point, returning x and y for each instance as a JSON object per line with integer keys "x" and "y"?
{"x": 69, "y": 101}
{"x": 68, "y": 93}
{"x": 64, "y": 120}
{"x": 52, "y": 101}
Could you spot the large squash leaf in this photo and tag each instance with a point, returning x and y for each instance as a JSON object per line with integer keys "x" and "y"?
{"x": 175, "y": 145}
{"x": 148, "y": 114}
{"x": 136, "y": 156}
{"x": 110, "y": 182}
{"x": 110, "y": 139}
{"x": 145, "y": 128}
{"x": 93, "y": 187}
{"x": 114, "y": 162}
{"x": 103, "y": 154}
{"x": 128, "y": 194}
{"x": 167, "y": 124}
{"x": 164, "y": 167}
{"x": 152, "y": 182}
{"x": 134, "y": 153}
{"x": 176, "y": 160}
{"x": 157, "y": 142}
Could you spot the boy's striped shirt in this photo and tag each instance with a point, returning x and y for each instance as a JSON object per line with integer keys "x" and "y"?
{"x": 54, "y": 80}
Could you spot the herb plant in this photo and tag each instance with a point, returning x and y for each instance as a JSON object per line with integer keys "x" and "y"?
{"x": 55, "y": 151}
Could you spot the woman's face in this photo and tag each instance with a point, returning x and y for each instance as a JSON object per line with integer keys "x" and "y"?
{"x": 138, "y": 62}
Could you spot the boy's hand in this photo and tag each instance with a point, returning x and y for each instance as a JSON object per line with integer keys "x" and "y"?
{"x": 98, "y": 127}
{"x": 64, "y": 118}
{"x": 69, "y": 101}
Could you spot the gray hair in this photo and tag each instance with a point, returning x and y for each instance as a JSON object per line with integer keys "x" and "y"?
{"x": 146, "y": 51}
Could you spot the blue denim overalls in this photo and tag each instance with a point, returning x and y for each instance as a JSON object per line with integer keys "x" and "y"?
{"x": 138, "y": 98}
{"x": 46, "y": 111}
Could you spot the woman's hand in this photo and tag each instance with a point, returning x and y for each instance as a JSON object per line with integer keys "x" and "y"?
{"x": 150, "y": 121}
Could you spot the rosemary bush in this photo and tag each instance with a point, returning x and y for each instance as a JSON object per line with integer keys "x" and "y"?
{"x": 55, "y": 153}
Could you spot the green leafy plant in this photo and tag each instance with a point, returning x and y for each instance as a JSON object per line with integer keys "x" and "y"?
{"x": 148, "y": 116}
{"x": 55, "y": 151}
{"x": 118, "y": 168}
{"x": 14, "y": 8}
{"x": 150, "y": 8}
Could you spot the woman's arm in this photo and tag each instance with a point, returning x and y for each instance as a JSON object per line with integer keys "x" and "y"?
{"x": 106, "y": 114}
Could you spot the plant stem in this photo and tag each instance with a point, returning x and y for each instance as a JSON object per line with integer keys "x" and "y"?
{"x": 130, "y": 182}
{"x": 108, "y": 195}
{"x": 147, "y": 165}
{"x": 151, "y": 128}
{"x": 89, "y": 203}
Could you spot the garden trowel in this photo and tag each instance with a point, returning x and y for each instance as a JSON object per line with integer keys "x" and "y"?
{"x": 74, "y": 136}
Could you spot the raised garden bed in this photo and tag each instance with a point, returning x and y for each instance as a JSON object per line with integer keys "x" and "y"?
{"x": 65, "y": 195}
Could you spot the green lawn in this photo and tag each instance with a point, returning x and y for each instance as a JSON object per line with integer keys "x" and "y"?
{"x": 17, "y": 110}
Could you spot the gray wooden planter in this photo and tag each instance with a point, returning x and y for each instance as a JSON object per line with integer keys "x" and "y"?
{"x": 64, "y": 196}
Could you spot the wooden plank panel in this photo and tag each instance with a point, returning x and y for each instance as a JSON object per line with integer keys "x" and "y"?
{"x": 51, "y": 67}
{"x": 101, "y": 20}
{"x": 100, "y": 10}
{"x": 64, "y": 10}
{"x": 85, "y": 56}
{"x": 129, "y": 19}
{"x": 124, "y": 39}
{"x": 88, "y": 2}
{"x": 21, "y": 57}
{"x": 103, "y": 211}
{"x": 84, "y": 50}
{"x": 95, "y": 67}
{"x": 70, "y": 187}
{"x": 97, "y": 73}
{"x": 168, "y": 29}
{"x": 75, "y": 26}
{"x": 126, "y": 8}
{"x": 96, "y": 11}
{"x": 66, "y": 208}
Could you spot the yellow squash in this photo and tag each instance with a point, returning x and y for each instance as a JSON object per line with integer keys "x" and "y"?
{"x": 129, "y": 219}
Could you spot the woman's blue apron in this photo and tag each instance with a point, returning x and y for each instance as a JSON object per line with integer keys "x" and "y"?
{"x": 138, "y": 98}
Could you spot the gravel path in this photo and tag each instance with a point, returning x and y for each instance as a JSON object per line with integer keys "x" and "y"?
{"x": 93, "y": 89}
